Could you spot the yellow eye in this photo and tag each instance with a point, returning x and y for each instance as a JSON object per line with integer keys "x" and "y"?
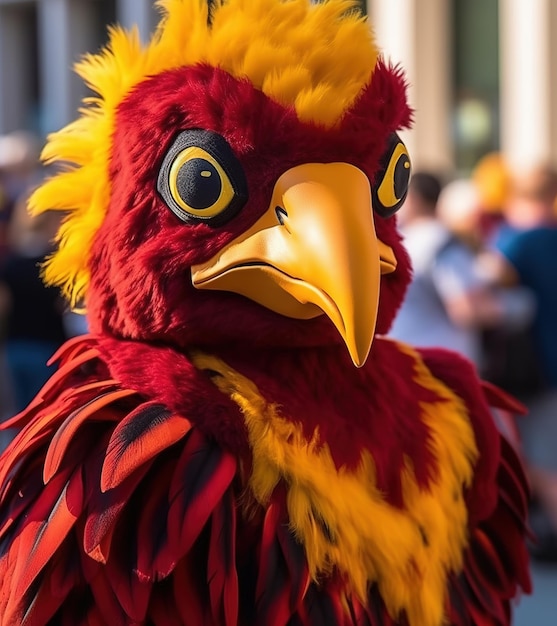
{"x": 198, "y": 183}
{"x": 201, "y": 179}
{"x": 391, "y": 187}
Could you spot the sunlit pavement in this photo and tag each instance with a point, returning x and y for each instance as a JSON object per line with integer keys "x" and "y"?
{"x": 540, "y": 608}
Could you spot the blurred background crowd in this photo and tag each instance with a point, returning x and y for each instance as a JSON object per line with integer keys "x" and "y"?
{"x": 480, "y": 220}
{"x": 484, "y": 252}
{"x": 34, "y": 319}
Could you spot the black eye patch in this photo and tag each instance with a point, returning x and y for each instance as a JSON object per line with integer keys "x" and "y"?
{"x": 201, "y": 179}
{"x": 391, "y": 185}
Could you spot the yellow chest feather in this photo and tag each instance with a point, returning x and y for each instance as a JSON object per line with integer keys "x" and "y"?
{"x": 342, "y": 519}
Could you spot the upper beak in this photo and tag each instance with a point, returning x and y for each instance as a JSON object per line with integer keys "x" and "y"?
{"x": 314, "y": 250}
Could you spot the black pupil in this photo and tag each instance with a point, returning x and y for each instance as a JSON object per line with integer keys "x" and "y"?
{"x": 199, "y": 184}
{"x": 402, "y": 176}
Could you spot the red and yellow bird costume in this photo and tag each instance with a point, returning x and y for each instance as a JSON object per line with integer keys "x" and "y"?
{"x": 236, "y": 443}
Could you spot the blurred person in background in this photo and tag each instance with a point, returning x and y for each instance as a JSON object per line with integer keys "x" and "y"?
{"x": 530, "y": 205}
{"x": 5, "y": 212}
{"x": 19, "y": 168}
{"x": 491, "y": 177}
{"x": 6, "y": 393}
{"x": 447, "y": 303}
{"x": 459, "y": 208}
{"x": 31, "y": 315}
{"x": 6, "y": 402}
{"x": 474, "y": 210}
{"x": 527, "y": 255}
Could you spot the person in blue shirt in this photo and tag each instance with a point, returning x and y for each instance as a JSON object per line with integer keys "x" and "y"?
{"x": 528, "y": 256}
{"x": 448, "y": 304}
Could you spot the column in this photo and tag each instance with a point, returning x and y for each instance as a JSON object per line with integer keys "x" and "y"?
{"x": 15, "y": 69}
{"x": 528, "y": 77}
{"x": 552, "y": 79}
{"x": 66, "y": 30}
{"x": 137, "y": 12}
{"x": 416, "y": 34}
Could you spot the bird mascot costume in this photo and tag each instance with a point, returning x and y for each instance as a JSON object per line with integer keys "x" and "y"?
{"x": 237, "y": 442}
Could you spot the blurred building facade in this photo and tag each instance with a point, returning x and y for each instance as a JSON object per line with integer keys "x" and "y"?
{"x": 40, "y": 40}
{"x": 482, "y": 77}
{"x": 479, "y": 71}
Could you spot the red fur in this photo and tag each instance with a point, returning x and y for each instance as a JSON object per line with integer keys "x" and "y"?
{"x": 380, "y": 413}
{"x": 383, "y": 99}
{"x": 168, "y": 377}
{"x": 459, "y": 374}
{"x": 373, "y": 408}
{"x": 142, "y": 243}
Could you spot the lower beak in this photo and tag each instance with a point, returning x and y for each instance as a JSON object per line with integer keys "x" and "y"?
{"x": 314, "y": 251}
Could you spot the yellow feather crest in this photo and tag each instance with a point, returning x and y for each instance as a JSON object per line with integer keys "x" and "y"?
{"x": 314, "y": 57}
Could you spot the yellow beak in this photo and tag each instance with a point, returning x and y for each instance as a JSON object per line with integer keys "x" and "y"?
{"x": 314, "y": 251}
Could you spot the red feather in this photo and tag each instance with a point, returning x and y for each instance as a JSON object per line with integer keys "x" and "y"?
{"x": 19, "y": 494}
{"x": 295, "y": 560}
{"x": 497, "y": 560}
{"x": 190, "y": 595}
{"x": 133, "y": 591}
{"x": 106, "y": 608}
{"x": 104, "y": 510}
{"x": 44, "y": 528}
{"x": 202, "y": 476}
{"x": 138, "y": 438}
{"x": 43, "y": 599}
{"x": 376, "y": 610}
{"x": 152, "y": 533}
{"x": 66, "y": 433}
{"x": 150, "y": 528}
{"x": 221, "y": 568}
{"x": 163, "y": 609}
{"x": 321, "y": 609}
{"x": 496, "y": 397}
{"x": 273, "y": 590}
